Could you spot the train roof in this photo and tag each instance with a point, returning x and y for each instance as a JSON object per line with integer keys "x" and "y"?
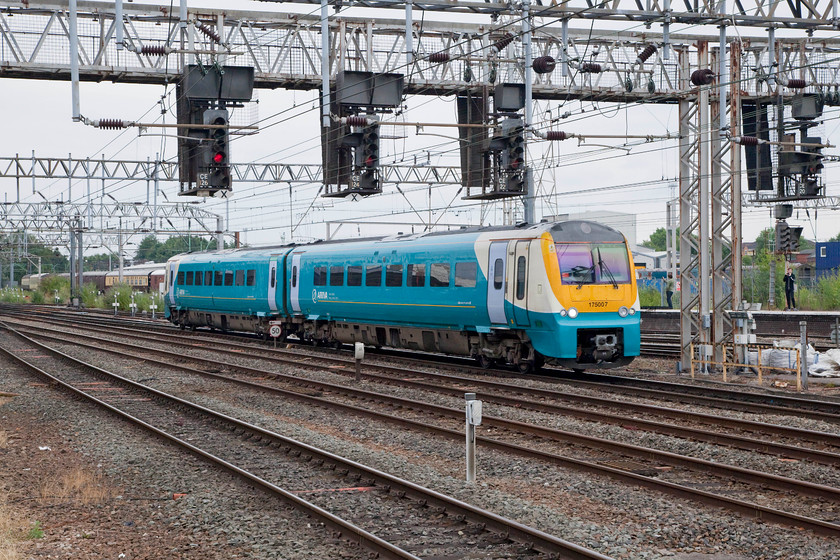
{"x": 572, "y": 230}
{"x": 138, "y": 269}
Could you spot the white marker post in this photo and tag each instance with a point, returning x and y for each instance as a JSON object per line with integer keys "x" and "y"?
{"x": 359, "y": 354}
{"x": 133, "y": 305}
{"x": 115, "y": 304}
{"x": 153, "y": 307}
{"x": 473, "y": 420}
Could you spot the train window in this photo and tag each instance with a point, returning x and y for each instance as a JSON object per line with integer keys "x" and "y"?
{"x": 294, "y": 278}
{"x": 228, "y": 278}
{"x": 498, "y": 274}
{"x": 181, "y": 278}
{"x": 239, "y": 278}
{"x": 320, "y": 276}
{"x": 465, "y": 275}
{"x": 520, "y": 278}
{"x": 251, "y": 277}
{"x": 439, "y": 277}
{"x": 189, "y": 278}
{"x": 354, "y": 275}
{"x": 198, "y": 277}
{"x": 417, "y": 275}
{"x": 217, "y": 277}
{"x": 336, "y": 276}
{"x": 394, "y": 275}
{"x": 208, "y": 277}
{"x": 373, "y": 275}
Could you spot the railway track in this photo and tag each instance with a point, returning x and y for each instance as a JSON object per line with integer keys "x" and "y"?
{"x": 698, "y": 469}
{"x": 753, "y": 401}
{"x": 287, "y": 469}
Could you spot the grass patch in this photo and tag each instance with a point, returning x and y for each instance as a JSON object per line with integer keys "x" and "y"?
{"x": 36, "y": 531}
{"x": 78, "y": 485}
{"x": 8, "y": 530}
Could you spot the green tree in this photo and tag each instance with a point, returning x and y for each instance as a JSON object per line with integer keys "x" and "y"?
{"x": 150, "y": 249}
{"x": 765, "y": 241}
{"x": 657, "y": 241}
{"x": 836, "y": 237}
{"x": 102, "y": 261}
{"x": 147, "y": 249}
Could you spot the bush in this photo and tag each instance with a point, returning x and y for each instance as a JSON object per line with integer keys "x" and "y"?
{"x": 12, "y": 295}
{"x": 123, "y": 293}
{"x": 37, "y": 298}
{"x": 55, "y": 285}
{"x": 825, "y": 296}
{"x": 90, "y": 293}
{"x": 650, "y": 297}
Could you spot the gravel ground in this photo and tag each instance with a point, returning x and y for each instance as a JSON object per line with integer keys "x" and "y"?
{"x": 615, "y": 519}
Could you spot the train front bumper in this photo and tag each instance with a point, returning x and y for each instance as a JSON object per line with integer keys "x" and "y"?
{"x": 588, "y": 338}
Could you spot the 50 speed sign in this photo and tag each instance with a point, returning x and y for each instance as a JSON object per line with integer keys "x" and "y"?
{"x": 275, "y": 331}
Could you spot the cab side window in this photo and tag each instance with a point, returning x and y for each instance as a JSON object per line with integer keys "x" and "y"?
{"x": 373, "y": 275}
{"x": 354, "y": 275}
{"x": 465, "y": 274}
{"x": 417, "y": 275}
{"x": 320, "y": 278}
{"x": 394, "y": 275}
{"x": 181, "y": 278}
{"x": 439, "y": 277}
{"x": 336, "y": 276}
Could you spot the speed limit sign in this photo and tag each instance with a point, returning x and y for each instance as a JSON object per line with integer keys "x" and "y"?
{"x": 275, "y": 331}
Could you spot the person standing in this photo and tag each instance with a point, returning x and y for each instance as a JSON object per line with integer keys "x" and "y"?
{"x": 790, "y": 279}
{"x": 669, "y": 289}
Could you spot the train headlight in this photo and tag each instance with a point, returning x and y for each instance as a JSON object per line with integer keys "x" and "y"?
{"x": 573, "y": 313}
{"x": 563, "y": 313}
{"x": 623, "y": 312}
{"x": 632, "y": 311}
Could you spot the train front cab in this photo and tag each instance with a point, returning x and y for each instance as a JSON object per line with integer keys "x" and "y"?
{"x": 590, "y": 274}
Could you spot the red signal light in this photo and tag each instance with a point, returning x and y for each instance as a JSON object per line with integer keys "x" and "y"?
{"x": 218, "y": 157}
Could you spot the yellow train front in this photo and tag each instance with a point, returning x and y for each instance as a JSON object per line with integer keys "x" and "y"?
{"x": 582, "y": 305}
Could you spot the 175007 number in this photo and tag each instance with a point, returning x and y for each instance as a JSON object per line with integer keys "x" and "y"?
{"x": 597, "y": 304}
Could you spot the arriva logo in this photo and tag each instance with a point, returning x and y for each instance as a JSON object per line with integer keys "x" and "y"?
{"x": 314, "y": 295}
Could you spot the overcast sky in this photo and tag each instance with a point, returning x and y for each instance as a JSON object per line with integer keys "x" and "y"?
{"x": 633, "y": 179}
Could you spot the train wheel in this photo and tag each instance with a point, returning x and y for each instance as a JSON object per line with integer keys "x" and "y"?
{"x": 484, "y": 362}
{"x": 182, "y": 326}
{"x": 192, "y": 328}
{"x": 525, "y": 367}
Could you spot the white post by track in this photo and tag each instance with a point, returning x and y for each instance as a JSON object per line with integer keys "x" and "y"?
{"x": 803, "y": 353}
{"x": 359, "y": 354}
{"x": 473, "y": 410}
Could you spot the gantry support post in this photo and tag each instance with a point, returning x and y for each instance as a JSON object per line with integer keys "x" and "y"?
{"x": 689, "y": 182}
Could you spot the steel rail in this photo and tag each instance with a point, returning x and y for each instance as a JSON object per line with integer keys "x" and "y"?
{"x": 753, "y": 477}
{"x": 741, "y": 442}
{"x": 740, "y": 400}
{"x": 517, "y": 532}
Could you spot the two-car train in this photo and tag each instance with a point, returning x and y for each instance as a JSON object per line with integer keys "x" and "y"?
{"x": 560, "y": 292}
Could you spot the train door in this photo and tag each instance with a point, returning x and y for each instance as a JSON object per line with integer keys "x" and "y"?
{"x": 496, "y": 283}
{"x": 294, "y": 292}
{"x": 170, "y": 278}
{"x": 272, "y": 284}
{"x": 518, "y": 274}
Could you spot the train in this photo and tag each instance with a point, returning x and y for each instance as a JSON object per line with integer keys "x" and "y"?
{"x": 142, "y": 278}
{"x": 563, "y": 293}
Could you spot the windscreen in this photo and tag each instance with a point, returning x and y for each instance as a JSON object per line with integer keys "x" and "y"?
{"x": 593, "y": 263}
